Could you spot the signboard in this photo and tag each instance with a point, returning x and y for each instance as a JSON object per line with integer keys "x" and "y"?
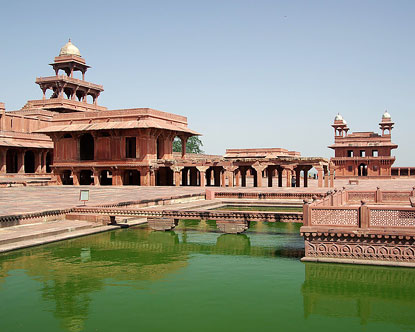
{"x": 84, "y": 195}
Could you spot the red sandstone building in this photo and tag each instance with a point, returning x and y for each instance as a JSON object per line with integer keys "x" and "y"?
{"x": 363, "y": 154}
{"x": 93, "y": 145}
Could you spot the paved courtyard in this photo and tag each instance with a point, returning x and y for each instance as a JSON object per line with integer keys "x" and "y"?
{"x": 16, "y": 200}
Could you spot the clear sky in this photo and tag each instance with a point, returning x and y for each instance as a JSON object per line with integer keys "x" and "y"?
{"x": 245, "y": 73}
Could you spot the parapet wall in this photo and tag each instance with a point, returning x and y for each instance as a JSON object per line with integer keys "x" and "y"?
{"x": 361, "y": 227}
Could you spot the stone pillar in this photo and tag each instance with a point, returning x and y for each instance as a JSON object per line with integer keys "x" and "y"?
{"x": 270, "y": 171}
{"x": 177, "y": 178}
{"x": 3, "y": 154}
{"x": 152, "y": 177}
{"x": 326, "y": 177}
{"x": 259, "y": 169}
{"x": 116, "y": 177}
{"x": 223, "y": 178}
{"x": 320, "y": 176}
{"x": 58, "y": 177}
{"x": 96, "y": 177}
{"x": 202, "y": 170}
{"x": 75, "y": 177}
{"x": 184, "y": 143}
{"x": 20, "y": 161}
{"x": 305, "y": 178}
{"x": 238, "y": 178}
{"x": 38, "y": 162}
{"x": 279, "y": 171}
{"x": 298, "y": 176}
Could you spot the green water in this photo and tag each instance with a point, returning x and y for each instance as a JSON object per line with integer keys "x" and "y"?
{"x": 197, "y": 279}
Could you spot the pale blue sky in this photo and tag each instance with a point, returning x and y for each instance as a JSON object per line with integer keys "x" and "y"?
{"x": 245, "y": 73}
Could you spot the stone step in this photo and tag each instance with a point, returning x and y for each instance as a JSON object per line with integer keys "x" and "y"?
{"x": 39, "y": 232}
{"x": 55, "y": 238}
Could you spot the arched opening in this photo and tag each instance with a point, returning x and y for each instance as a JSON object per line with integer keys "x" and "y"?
{"x": 362, "y": 170}
{"x": 164, "y": 176}
{"x": 48, "y": 162}
{"x": 86, "y": 177}
{"x": 67, "y": 177}
{"x": 89, "y": 99}
{"x": 213, "y": 176}
{"x": 29, "y": 162}
{"x": 86, "y": 147}
{"x": 190, "y": 176}
{"x": 131, "y": 177}
{"x": 105, "y": 178}
{"x": 11, "y": 161}
{"x": 248, "y": 176}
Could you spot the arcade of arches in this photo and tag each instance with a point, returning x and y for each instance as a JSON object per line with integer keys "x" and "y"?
{"x": 25, "y": 160}
{"x": 228, "y": 175}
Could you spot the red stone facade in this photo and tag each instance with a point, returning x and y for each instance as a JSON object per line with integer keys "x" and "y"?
{"x": 363, "y": 154}
{"x": 95, "y": 146}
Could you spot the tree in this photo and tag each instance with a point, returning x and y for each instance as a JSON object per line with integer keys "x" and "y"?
{"x": 193, "y": 145}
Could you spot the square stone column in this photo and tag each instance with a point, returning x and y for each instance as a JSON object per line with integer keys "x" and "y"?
{"x": 116, "y": 177}
{"x": 3, "y": 160}
{"x": 75, "y": 177}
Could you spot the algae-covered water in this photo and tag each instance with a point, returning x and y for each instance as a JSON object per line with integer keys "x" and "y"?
{"x": 196, "y": 279}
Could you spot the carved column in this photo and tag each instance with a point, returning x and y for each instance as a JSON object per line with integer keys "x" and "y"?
{"x": 96, "y": 176}
{"x": 116, "y": 177}
{"x": 326, "y": 176}
{"x": 177, "y": 174}
{"x": 58, "y": 177}
{"x": 259, "y": 169}
{"x": 20, "y": 161}
{"x": 298, "y": 176}
{"x": 184, "y": 143}
{"x": 152, "y": 172}
{"x": 3, "y": 161}
{"x": 38, "y": 162}
{"x": 237, "y": 178}
{"x": 320, "y": 176}
{"x": 75, "y": 176}
{"x": 202, "y": 170}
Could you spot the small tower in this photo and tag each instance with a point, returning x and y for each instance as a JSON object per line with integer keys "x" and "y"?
{"x": 68, "y": 93}
{"x": 386, "y": 125}
{"x": 340, "y": 126}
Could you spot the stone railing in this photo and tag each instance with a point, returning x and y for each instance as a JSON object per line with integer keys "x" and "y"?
{"x": 211, "y": 194}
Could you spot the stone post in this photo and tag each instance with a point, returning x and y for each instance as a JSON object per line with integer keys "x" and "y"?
{"x": 202, "y": 170}
{"x": 298, "y": 176}
{"x": 38, "y": 162}
{"x": 288, "y": 171}
{"x": 3, "y": 161}
{"x": 238, "y": 178}
{"x": 116, "y": 177}
{"x": 75, "y": 177}
{"x": 320, "y": 176}
{"x": 20, "y": 161}
{"x": 259, "y": 169}
{"x": 96, "y": 177}
{"x": 184, "y": 143}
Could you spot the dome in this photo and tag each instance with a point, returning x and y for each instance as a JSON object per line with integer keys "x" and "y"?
{"x": 338, "y": 117}
{"x": 386, "y": 115}
{"x": 69, "y": 49}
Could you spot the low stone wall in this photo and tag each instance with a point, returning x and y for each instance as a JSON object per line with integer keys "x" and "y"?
{"x": 336, "y": 230}
{"x": 212, "y": 194}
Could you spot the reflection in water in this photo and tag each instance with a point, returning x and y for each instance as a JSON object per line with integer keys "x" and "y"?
{"x": 373, "y": 294}
{"x": 71, "y": 271}
{"x": 207, "y": 273}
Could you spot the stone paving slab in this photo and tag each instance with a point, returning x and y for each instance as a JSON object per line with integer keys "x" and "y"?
{"x": 20, "y": 200}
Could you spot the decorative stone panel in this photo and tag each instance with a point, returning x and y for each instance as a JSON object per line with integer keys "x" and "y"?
{"x": 392, "y": 218}
{"x": 361, "y": 196}
{"x": 343, "y": 217}
{"x": 395, "y": 196}
{"x": 363, "y": 247}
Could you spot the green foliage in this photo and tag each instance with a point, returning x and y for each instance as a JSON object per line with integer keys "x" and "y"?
{"x": 194, "y": 145}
